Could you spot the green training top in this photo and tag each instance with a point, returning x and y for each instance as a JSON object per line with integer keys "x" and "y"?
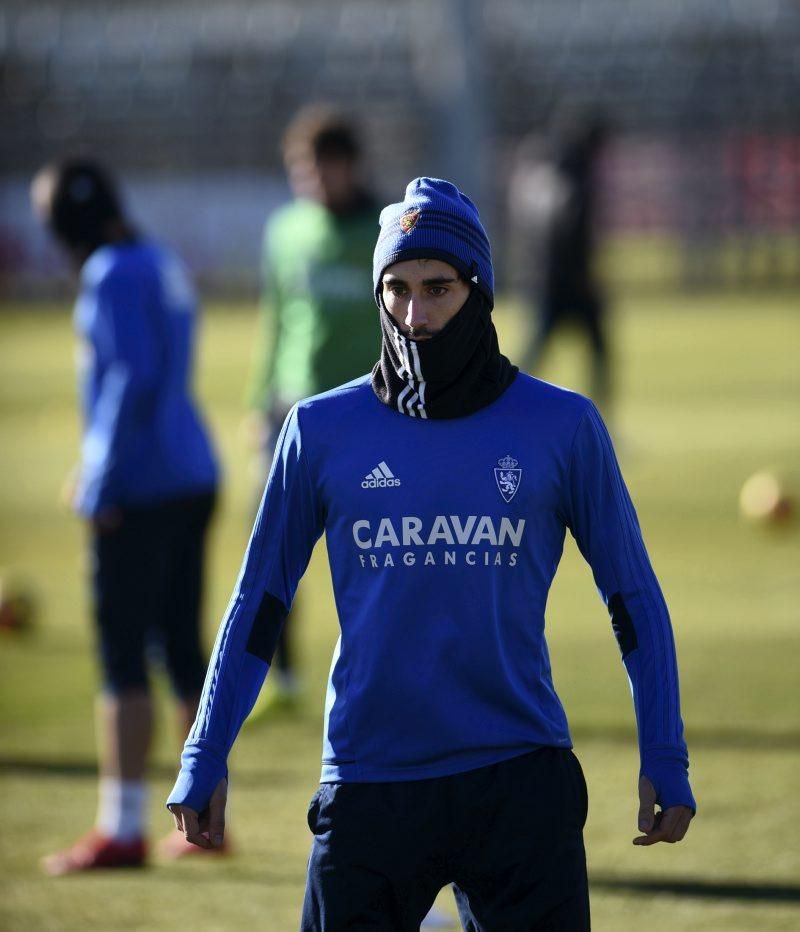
{"x": 318, "y": 313}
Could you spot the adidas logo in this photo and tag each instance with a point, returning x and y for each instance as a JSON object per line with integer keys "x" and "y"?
{"x": 381, "y": 477}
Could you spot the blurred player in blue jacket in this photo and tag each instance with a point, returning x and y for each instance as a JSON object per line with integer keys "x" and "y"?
{"x": 146, "y": 487}
{"x": 445, "y": 482}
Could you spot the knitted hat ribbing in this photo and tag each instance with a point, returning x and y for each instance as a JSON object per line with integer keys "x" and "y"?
{"x": 434, "y": 221}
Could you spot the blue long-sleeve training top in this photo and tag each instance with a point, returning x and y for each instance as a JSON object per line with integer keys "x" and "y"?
{"x": 143, "y": 440}
{"x": 443, "y": 539}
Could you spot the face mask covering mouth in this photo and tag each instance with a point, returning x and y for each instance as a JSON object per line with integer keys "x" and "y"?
{"x": 457, "y": 371}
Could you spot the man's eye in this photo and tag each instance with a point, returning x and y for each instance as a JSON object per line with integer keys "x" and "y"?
{"x": 438, "y": 290}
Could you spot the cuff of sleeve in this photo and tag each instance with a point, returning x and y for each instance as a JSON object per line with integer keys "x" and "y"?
{"x": 670, "y": 777}
{"x": 201, "y": 771}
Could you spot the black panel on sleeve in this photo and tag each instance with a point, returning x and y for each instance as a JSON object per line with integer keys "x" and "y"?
{"x": 267, "y": 626}
{"x": 622, "y": 624}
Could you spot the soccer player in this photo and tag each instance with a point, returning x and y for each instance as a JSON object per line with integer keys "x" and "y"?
{"x": 445, "y": 482}
{"x": 553, "y": 202}
{"x": 146, "y": 489}
{"x": 316, "y": 309}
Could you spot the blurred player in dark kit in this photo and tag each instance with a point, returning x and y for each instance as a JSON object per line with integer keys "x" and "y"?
{"x": 146, "y": 487}
{"x": 316, "y": 306}
{"x": 553, "y": 206}
{"x": 445, "y": 481}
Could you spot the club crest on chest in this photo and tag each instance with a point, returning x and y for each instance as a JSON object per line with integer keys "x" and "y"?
{"x": 508, "y": 476}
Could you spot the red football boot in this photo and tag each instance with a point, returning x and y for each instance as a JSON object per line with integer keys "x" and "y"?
{"x": 94, "y": 851}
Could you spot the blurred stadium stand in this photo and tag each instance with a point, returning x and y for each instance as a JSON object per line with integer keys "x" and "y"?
{"x": 188, "y": 99}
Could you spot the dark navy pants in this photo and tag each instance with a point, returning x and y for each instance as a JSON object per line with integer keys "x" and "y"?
{"x": 508, "y": 837}
{"x": 147, "y": 588}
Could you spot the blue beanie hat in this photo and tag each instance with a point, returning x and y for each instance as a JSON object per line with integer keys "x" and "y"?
{"x": 435, "y": 221}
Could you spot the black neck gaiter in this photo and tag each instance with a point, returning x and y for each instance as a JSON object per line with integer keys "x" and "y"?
{"x": 454, "y": 373}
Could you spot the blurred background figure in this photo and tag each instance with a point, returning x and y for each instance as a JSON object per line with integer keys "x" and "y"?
{"x": 553, "y": 209}
{"x": 318, "y": 316}
{"x": 145, "y": 486}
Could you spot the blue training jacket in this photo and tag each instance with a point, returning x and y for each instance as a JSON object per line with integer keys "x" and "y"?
{"x": 443, "y": 538}
{"x": 143, "y": 441}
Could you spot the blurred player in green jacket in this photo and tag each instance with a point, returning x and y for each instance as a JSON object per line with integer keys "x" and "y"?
{"x": 317, "y": 312}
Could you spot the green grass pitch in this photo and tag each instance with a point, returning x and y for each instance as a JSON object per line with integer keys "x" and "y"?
{"x": 708, "y": 391}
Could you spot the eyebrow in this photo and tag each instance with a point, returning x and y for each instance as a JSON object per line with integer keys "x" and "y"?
{"x": 441, "y": 280}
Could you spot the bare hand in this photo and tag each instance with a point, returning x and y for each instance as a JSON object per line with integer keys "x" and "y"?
{"x": 205, "y": 829}
{"x": 69, "y": 488}
{"x": 669, "y": 825}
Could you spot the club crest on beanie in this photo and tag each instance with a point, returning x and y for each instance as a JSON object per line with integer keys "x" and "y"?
{"x": 434, "y": 221}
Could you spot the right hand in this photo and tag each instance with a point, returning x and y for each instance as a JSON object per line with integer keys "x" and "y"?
{"x": 207, "y": 828}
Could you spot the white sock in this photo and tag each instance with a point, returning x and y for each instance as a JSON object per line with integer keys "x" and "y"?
{"x": 121, "y": 808}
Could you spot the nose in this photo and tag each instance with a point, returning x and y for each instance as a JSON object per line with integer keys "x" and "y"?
{"x": 416, "y": 315}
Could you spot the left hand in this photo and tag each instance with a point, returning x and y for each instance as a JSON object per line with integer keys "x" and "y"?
{"x": 68, "y": 492}
{"x": 669, "y": 825}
